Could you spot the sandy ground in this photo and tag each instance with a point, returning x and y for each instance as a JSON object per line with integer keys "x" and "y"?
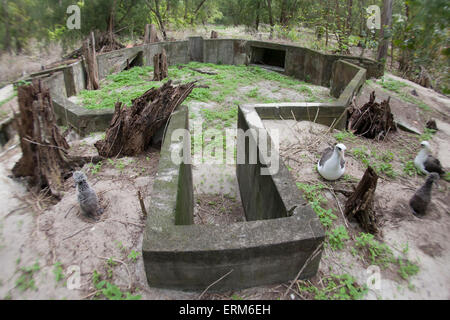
{"x": 427, "y": 238}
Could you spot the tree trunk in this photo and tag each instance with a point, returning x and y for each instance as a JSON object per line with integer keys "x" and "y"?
{"x": 160, "y": 20}
{"x": 386, "y": 22}
{"x": 7, "y": 39}
{"x": 373, "y": 120}
{"x": 214, "y": 34}
{"x": 151, "y": 34}
{"x": 91, "y": 63}
{"x": 160, "y": 68}
{"x": 258, "y": 9}
{"x": 349, "y": 23}
{"x": 360, "y": 203}
{"x": 132, "y": 128}
{"x": 269, "y": 8}
{"x": 44, "y": 149}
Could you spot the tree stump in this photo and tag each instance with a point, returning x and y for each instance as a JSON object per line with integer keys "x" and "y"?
{"x": 214, "y": 34}
{"x": 360, "y": 203}
{"x": 44, "y": 149}
{"x": 131, "y": 129}
{"x": 373, "y": 120}
{"x": 91, "y": 63}
{"x": 160, "y": 68}
{"x": 150, "y": 35}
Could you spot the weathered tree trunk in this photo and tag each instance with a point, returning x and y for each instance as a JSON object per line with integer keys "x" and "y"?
{"x": 160, "y": 68}
{"x": 151, "y": 34}
{"x": 91, "y": 63}
{"x": 386, "y": 22}
{"x": 269, "y": 8}
{"x": 373, "y": 120}
{"x": 360, "y": 203}
{"x": 214, "y": 34}
{"x": 131, "y": 129}
{"x": 44, "y": 149}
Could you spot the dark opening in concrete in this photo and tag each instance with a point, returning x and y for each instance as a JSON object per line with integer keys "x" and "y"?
{"x": 137, "y": 61}
{"x": 269, "y": 58}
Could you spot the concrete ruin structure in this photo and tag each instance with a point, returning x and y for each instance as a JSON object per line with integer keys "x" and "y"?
{"x": 281, "y": 230}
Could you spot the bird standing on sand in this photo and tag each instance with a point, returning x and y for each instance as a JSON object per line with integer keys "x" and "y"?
{"x": 86, "y": 196}
{"x": 331, "y": 165}
{"x": 421, "y": 199}
{"x": 425, "y": 162}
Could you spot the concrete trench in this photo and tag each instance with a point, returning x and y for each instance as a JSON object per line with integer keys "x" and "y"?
{"x": 281, "y": 230}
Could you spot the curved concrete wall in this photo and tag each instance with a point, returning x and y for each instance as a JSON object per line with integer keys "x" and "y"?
{"x": 302, "y": 63}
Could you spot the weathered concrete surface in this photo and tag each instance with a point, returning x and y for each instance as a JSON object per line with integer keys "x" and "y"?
{"x": 346, "y": 81}
{"x": 178, "y": 254}
{"x": 81, "y": 119}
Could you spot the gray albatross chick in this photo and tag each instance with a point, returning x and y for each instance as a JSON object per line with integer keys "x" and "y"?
{"x": 421, "y": 199}
{"x": 86, "y": 196}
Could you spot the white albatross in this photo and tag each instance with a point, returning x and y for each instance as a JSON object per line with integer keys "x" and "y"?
{"x": 331, "y": 165}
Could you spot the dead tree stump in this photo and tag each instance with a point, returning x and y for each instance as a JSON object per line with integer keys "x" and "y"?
{"x": 91, "y": 63}
{"x": 44, "y": 149}
{"x": 373, "y": 120}
{"x": 160, "y": 68}
{"x": 131, "y": 129}
{"x": 150, "y": 35}
{"x": 360, "y": 203}
{"x": 214, "y": 34}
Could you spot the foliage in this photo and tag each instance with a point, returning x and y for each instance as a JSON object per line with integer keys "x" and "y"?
{"x": 312, "y": 192}
{"x": 26, "y": 280}
{"x": 335, "y": 287}
{"x": 337, "y": 237}
{"x": 109, "y": 290}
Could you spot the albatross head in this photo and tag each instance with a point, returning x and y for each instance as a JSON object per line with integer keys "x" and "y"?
{"x": 340, "y": 148}
{"x": 425, "y": 145}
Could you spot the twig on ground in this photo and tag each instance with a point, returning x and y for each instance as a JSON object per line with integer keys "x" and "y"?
{"x": 311, "y": 257}
{"x": 204, "y": 291}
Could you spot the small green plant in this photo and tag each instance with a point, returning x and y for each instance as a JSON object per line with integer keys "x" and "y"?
{"x": 313, "y": 194}
{"x": 26, "y": 280}
{"x": 110, "y": 291}
{"x": 95, "y": 168}
{"x": 133, "y": 255}
{"x": 407, "y": 268}
{"x": 337, "y": 237}
{"x": 427, "y": 134}
{"x": 379, "y": 253}
{"x": 58, "y": 271}
{"x": 410, "y": 169}
{"x": 342, "y": 136}
{"x": 335, "y": 287}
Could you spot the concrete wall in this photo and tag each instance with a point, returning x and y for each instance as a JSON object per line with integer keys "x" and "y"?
{"x": 180, "y": 255}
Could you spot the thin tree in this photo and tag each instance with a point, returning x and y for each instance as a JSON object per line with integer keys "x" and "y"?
{"x": 386, "y": 23}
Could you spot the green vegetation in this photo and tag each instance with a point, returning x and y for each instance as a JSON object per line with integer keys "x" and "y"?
{"x": 58, "y": 271}
{"x": 337, "y": 237}
{"x": 378, "y": 253}
{"x": 110, "y": 291}
{"x": 381, "y": 163}
{"x": 334, "y": 287}
{"x": 26, "y": 278}
{"x": 313, "y": 193}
